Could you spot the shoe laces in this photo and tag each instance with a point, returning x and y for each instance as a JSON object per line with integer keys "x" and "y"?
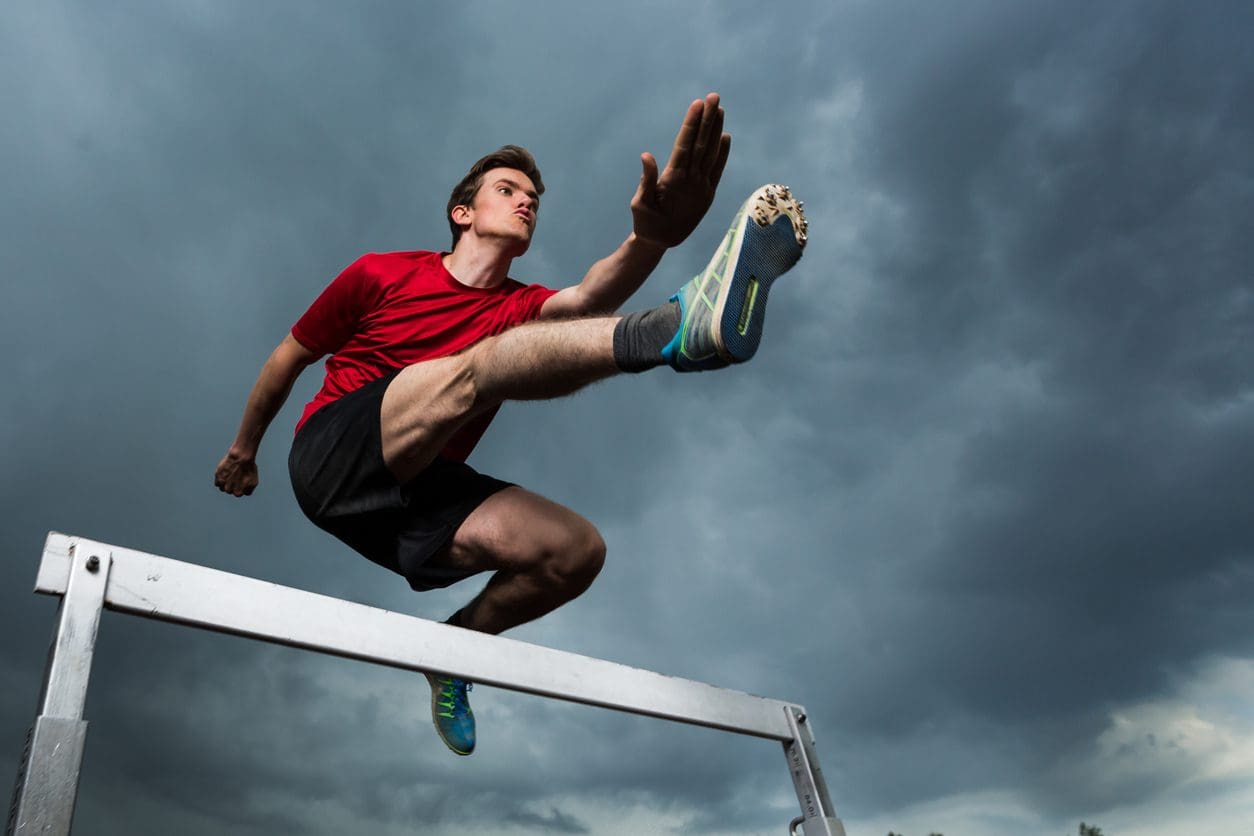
{"x": 453, "y": 697}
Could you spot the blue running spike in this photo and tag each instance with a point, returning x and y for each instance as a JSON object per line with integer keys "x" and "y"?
{"x": 450, "y": 711}
{"x": 722, "y": 308}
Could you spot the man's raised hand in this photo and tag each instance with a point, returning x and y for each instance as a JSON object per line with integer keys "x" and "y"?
{"x": 666, "y": 209}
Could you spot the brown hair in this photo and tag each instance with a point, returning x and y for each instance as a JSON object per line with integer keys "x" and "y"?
{"x": 507, "y": 156}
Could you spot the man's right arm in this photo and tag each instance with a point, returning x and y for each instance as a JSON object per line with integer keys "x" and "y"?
{"x": 665, "y": 211}
{"x": 236, "y": 474}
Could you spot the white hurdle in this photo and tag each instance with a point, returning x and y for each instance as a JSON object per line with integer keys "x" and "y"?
{"x": 90, "y": 576}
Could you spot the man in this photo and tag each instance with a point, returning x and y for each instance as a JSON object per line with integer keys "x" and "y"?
{"x": 426, "y": 346}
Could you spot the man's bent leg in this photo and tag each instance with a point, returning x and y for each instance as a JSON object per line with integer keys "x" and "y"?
{"x": 428, "y": 402}
{"x": 543, "y": 555}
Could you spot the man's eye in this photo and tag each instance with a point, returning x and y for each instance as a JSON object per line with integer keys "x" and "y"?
{"x": 504, "y": 190}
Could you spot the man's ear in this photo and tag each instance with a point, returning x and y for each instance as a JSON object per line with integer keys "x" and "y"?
{"x": 461, "y": 215}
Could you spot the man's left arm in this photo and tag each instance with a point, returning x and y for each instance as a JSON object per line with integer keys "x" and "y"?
{"x": 665, "y": 210}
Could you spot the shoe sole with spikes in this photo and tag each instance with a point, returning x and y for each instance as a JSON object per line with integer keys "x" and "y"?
{"x": 723, "y": 308}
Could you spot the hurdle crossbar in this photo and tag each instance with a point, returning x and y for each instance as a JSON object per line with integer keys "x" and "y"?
{"x": 90, "y": 576}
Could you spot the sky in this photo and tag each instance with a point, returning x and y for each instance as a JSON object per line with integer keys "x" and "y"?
{"x": 980, "y": 503}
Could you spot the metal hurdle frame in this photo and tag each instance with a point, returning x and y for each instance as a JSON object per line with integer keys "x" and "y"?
{"x": 90, "y": 576}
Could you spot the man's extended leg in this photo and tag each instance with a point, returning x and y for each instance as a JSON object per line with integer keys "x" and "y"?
{"x": 715, "y": 319}
{"x": 428, "y": 402}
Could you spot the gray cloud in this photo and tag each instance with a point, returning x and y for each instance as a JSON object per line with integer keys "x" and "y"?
{"x": 555, "y": 822}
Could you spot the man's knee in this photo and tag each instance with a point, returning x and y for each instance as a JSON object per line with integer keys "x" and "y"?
{"x": 575, "y": 559}
{"x": 590, "y": 556}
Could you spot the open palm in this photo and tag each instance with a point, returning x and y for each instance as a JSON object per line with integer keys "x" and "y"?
{"x": 666, "y": 209}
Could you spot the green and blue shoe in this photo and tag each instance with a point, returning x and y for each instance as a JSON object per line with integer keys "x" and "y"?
{"x": 450, "y": 711}
{"x": 722, "y": 308}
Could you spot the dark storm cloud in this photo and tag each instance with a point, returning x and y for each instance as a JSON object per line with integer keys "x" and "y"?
{"x": 985, "y": 480}
{"x": 1129, "y": 297}
{"x": 1059, "y": 193}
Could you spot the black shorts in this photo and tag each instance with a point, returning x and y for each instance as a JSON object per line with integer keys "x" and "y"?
{"x": 343, "y": 486}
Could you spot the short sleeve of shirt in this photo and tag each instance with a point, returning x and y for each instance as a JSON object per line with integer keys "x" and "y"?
{"x": 525, "y": 304}
{"x": 335, "y": 315}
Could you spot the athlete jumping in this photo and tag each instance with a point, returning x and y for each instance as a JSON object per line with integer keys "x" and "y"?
{"x": 425, "y": 346}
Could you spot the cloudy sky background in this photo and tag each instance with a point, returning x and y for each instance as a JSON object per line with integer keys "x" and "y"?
{"x": 982, "y": 502}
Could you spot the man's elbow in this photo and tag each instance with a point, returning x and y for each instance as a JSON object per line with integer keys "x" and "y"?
{"x": 290, "y": 358}
{"x": 295, "y": 353}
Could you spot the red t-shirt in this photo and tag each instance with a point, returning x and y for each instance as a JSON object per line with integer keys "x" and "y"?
{"x": 389, "y": 310}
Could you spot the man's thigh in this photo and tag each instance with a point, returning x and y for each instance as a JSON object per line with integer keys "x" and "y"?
{"x": 516, "y": 530}
{"x": 423, "y": 407}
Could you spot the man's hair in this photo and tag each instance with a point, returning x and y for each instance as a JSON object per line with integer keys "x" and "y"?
{"x": 507, "y": 156}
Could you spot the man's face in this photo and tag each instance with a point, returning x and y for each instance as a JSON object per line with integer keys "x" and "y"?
{"x": 505, "y": 207}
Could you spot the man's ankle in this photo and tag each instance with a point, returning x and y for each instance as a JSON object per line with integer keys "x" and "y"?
{"x": 640, "y": 337}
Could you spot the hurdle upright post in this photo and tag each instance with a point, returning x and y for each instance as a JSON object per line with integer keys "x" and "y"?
{"x": 47, "y": 784}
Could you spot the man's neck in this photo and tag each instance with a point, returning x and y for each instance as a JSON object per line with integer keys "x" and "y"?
{"x": 476, "y": 263}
